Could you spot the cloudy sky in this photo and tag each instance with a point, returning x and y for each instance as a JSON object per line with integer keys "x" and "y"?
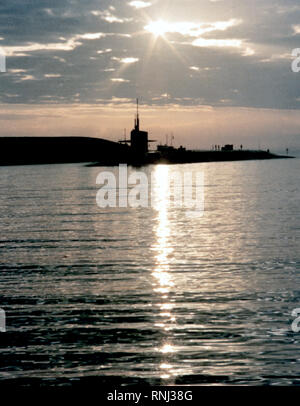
{"x": 210, "y": 71}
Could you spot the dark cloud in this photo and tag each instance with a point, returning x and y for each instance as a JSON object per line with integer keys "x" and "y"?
{"x": 73, "y": 51}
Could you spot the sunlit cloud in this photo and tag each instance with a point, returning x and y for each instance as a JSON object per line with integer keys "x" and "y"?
{"x": 119, "y": 80}
{"x": 49, "y": 12}
{"x": 104, "y": 51}
{"x": 140, "y": 4}
{"x": 127, "y": 60}
{"x": 52, "y": 75}
{"x": 67, "y": 45}
{"x": 94, "y": 35}
{"x": 107, "y": 16}
{"x": 12, "y": 95}
{"x": 162, "y": 27}
{"x": 121, "y": 100}
{"x": 202, "y": 42}
{"x": 223, "y": 43}
{"x": 24, "y": 49}
{"x": 62, "y": 60}
{"x": 196, "y": 30}
{"x": 27, "y": 77}
{"x": 16, "y": 71}
{"x": 278, "y": 57}
{"x": 296, "y": 29}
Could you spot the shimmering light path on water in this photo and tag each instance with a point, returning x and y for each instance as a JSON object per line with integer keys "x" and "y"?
{"x": 150, "y": 295}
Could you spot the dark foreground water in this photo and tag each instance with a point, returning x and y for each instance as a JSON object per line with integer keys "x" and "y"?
{"x": 150, "y": 295}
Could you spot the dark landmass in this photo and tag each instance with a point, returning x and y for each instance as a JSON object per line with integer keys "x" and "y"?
{"x": 50, "y": 150}
{"x": 100, "y": 152}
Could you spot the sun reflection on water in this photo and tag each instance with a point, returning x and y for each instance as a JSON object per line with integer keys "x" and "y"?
{"x": 163, "y": 281}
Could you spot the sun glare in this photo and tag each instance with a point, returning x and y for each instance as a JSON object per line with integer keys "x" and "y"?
{"x": 158, "y": 28}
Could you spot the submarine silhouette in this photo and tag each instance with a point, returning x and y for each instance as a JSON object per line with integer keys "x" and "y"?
{"x": 101, "y": 152}
{"x": 138, "y": 153}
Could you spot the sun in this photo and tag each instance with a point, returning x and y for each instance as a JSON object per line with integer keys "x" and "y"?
{"x": 158, "y": 28}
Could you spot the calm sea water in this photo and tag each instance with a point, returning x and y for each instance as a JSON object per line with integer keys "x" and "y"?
{"x": 150, "y": 295}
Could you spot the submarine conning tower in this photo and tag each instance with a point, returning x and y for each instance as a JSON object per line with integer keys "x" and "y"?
{"x": 138, "y": 139}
